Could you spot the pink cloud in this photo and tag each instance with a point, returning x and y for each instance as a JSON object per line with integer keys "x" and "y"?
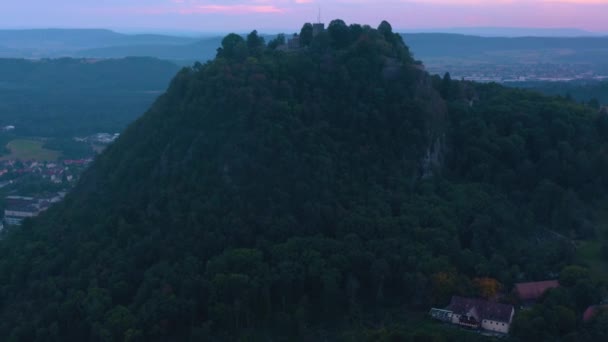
{"x": 231, "y": 9}
{"x": 192, "y": 7}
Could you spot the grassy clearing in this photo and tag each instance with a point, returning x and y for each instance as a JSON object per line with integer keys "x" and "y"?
{"x": 589, "y": 251}
{"x": 29, "y": 149}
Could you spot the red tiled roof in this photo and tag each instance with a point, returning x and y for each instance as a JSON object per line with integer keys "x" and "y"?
{"x": 74, "y": 162}
{"x": 533, "y": 290}
{"x": 485, "y": 309}
{"x": 592, "y": 311}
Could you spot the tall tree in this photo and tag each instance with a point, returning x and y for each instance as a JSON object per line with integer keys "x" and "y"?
{"x": 339, "y": 33}
{"x": 233, "y": 47}
{"x": 306, "y": 35}
{"x": 254, "y": 41}
{"x": 386, "y": 30}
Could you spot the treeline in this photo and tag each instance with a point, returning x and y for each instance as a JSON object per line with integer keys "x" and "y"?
{"x": 595, "y": 94}
{"x": 326, "y": 192}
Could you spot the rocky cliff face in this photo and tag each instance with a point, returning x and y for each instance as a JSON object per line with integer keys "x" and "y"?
{"x": 437, "y": 124}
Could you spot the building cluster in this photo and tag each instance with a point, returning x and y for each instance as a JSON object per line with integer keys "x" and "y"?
{"x": 99, "y": 138}
{"x": 17, "y": 174}
{"x": 18, "y": 208}
{"x": 516, "y": 72}
{"x": 294, "y": 42}
{"x": 60, "y": 172}
{"x": 476, "y": 313}
{"x": 490, "y": 316}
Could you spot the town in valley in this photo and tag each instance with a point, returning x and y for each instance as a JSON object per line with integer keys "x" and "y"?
{"x": 33, "y": 178}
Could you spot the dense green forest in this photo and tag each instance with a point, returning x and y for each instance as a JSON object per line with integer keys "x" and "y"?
{"x": 76, "y": 97}
{"x": 332, "y": 192}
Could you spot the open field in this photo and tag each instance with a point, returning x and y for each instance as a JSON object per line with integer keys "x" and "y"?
{"x": 29, "y": 149}
{"x": 589, "y": 252}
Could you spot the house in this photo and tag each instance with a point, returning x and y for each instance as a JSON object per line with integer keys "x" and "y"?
{"x": 76, "y": 162}
{"x": 317, "y": 29}
{"x": 476, "y": 314}
{"x": 532, "y": 291}
{"x": 593, "y": 310}
{"x": 19, "y": 208}
{"x": 55, "y": 175}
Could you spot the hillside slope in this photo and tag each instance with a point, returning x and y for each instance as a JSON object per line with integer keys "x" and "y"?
{"x": 75, "y": 97}
{"x": 301, "y": 195}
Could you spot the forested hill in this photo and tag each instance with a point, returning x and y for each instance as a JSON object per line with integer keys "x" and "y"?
{"x": 75, "y": 97}
{"x": 331, "y": 192}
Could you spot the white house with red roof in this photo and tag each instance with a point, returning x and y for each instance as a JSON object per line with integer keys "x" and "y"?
{"x": 477, "y": 313}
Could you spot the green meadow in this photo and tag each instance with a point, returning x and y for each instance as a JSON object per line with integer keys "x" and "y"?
{"x": 30, "y": 149}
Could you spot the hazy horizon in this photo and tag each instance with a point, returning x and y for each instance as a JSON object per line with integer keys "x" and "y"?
{"x": 282, "y": 15}
{"x": 490, "y": 31}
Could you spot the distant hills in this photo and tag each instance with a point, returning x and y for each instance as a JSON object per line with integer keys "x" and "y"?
{"x": 512, "y": 32}
{"x": 73, "y": 39}
{"x": 99, "y": 43}
{"x": 503, "y": 59}
{"x": 90, "y": 43}
{"x": 433, "y": 45}
{"x": 73, "y": 97}
{"x": 204, "y": 49}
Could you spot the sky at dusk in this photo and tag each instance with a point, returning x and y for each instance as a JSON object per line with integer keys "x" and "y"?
{"x": 235, "y": 15}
